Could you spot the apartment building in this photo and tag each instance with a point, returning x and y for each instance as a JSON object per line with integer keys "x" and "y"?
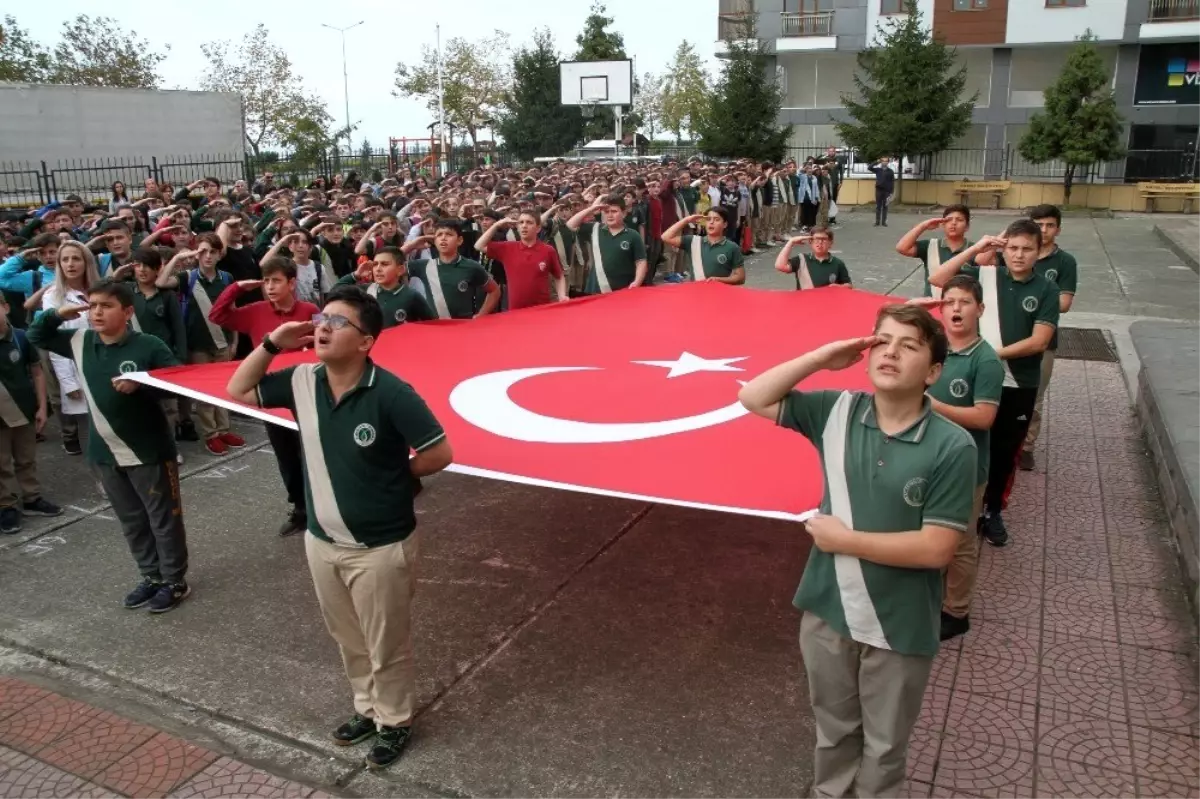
{"x": 1012, "y": 49}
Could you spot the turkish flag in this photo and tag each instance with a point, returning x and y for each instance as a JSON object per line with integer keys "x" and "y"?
{"x": 630, "y": 394}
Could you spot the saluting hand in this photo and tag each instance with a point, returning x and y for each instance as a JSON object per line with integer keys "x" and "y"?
{"x": 839, "y": 355}
{"x": 292, "y": 335}
{"x": 68, "y": 312}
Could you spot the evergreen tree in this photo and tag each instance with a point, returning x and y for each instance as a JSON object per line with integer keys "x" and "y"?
{"x": 536, "y": 122}
{"x": 364, "y": 158}
{"x": 685, "y": 92}
{"x": 909, "y": 99}
{"x": 598, "y": 43}
{"x": 1080, "y": 123}
{"x": 742, "y": 114}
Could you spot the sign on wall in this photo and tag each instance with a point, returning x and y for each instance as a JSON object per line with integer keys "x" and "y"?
{"x": 1168, "y": 74}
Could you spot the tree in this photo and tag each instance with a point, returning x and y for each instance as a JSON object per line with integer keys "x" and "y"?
{"x": 536, "y": 123}
{"x": 648, "y": 104}
{"x": 474, "y": 81}
{"x": 364, "y": 157}
{"x": 310, "y": 142}
{"x": 22, "y": 60}
{"x": 597, "y": 43}
{"x": 91, "y": 52}
{"x": 742, "y": 114}
{"x": 909, "y": 99}
{"x": 273, "y": 97}
{"x": 100, "y": 52}
{"x": 685, "y": 92}
{"x": 1080, "y": 123}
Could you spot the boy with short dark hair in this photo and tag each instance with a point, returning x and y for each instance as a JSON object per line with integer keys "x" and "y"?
{"x": 449, "y": 280}
{"x": 398, "y": 301}
{"x": 823, "y": 269}
{"x": 130, "y": 445}
{"x": 955, "y": 221}
{"x": 23, "y": 413}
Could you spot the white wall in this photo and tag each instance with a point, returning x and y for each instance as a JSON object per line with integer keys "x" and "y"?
{"x": 49, "y": 123}
{"x": 818, "y": 80}
{"x": 1035, "y": 68}
{"x": 874, "y": 17}
{"x": 1029, "y": 21}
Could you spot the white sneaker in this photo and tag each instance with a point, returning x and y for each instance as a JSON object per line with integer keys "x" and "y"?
{"x": 179, "y": 458}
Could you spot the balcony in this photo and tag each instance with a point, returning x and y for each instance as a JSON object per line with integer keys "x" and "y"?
{"x": 818, "y": 23}
{"x": 1173, "y": 10}
{"x": 732, "y": 27}
{"x": 1170, "y": 20}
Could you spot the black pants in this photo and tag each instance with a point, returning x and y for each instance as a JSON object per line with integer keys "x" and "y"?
{"x": 808, "y": 213}
{"x": 1008, "y": 434}
{"x": 145, "y": 499}
{"x": 881, "y": 207}
{"x": 286, "y": 445}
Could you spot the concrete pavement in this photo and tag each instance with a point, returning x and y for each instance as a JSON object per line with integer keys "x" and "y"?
{"x": 576, "y": 645}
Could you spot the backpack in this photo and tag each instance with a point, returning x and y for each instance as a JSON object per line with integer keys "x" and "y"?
{"x": 193, "y": 276}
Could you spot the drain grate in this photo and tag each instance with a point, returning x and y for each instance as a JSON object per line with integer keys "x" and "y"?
{"x": 1085, "y": 344}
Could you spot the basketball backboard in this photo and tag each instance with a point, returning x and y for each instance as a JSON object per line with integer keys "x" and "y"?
{"x": 597, "y": 82}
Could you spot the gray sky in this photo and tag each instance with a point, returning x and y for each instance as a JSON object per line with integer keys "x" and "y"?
{"x": 652, "y": 30}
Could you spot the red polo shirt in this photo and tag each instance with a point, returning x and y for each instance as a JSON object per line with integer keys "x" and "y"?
{"x": 258, "y": 318}
{"x": 528, "y": 270}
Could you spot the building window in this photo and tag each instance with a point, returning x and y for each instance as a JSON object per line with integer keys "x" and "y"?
{"x": 1065, "y": 3}
{"x": 887, "y": 7}
{"x": 970, "y": 5}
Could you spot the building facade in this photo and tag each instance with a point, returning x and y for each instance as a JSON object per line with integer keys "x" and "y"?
{"x": 1012, "y": 50}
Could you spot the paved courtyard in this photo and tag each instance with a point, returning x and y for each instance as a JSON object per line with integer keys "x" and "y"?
{"x": 577, "y": 645}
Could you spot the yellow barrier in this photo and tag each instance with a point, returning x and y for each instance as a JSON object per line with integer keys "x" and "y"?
{"x": 1152, "y": 192}
{"x": 1020, "y": 196}
{"x": 996, "y": 188}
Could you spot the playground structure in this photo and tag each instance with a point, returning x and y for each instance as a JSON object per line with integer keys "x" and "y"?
{"x": 424, "y": 154}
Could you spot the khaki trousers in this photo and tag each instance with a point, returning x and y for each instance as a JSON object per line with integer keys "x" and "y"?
{"x": 865, "y": 701}
{"x": 213, "y": 420}
{"x": 960, "y": 576}
{"x": 674, "y": 258}
{"x": 366, "y": 597}
{"x": 18, "y": 465}
{"x": 1035, "y": 421}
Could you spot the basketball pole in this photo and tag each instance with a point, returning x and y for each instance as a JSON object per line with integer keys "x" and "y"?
{"x": 441, "y": 105}
{"x": 617, "y": 132}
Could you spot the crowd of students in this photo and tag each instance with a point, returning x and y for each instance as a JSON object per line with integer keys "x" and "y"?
{"x": 912, "y": 470}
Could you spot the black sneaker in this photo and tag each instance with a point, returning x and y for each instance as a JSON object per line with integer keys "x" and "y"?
{"x": 168, "y": 596}
{"x": 145, "y": 591}
{"x": 10, "y": 521}
{"x": 1025, "y": 463}
{"x": 186, "y": 431}
{"x": 358, "y": 729}
{"x": 72, "y": 447}
{"x": 389, "y": 745}
{"x": 296, "y": 522}
{"x": 993, "y": 530}
{"x": 40, "y": 507}
{"x": 952, "y": 626}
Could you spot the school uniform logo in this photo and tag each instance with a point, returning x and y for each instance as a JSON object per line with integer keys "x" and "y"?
{"x": 624, "y": 245}
{"x": 364, "y": 435}
{"x": 541, "y": 266}
{"x": 462, "y": 286}
{"x": 914, "y": 491}
{"x": 1030, "y": 304}
{"x": 959, "y": 388}
{"x": 401, "y": 315}
{"x": 14, "y": 355}
{"x": 722, "y": 258}
{"x": 160, "y": 311}
{"x": 1052, "y": 274}
{"x": 128, "y": 366}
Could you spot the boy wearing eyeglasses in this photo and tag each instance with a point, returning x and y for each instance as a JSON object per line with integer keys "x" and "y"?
{"x": 358, "y": 425}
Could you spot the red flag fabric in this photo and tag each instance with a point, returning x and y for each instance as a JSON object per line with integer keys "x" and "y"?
{"x": 629, "y": 394}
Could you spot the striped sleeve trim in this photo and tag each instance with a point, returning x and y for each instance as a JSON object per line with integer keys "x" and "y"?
{"x": 426, "y": 445}
{"x": 987, "y": 402}
{"x": 953, "y": 525}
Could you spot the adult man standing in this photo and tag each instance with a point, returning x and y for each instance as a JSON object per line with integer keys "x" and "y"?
{"x": 898, "y": 481}
{"x": 885, "y": 184}
{"x": 618, "y": 256}
{"x": 358, "y": 423}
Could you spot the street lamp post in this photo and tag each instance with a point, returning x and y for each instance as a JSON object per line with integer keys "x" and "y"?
{"x": 345, "y": 78}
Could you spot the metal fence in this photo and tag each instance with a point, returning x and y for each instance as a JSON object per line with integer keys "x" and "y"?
{"x": 25, "y": 184}
{"x": 1006, "y": 163}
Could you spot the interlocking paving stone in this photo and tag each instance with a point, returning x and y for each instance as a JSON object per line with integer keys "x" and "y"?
{"x": 226, "y": 777}
{"x": 94, "y": 743}
{"x": 157, "y": 766}
{"x": 23, "y": 776}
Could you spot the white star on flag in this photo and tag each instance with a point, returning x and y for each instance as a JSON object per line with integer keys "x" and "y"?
{"x": 688, "y": 364}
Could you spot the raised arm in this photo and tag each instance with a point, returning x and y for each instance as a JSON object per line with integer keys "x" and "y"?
{"x": 764, "y": 394}
{"x": 785, "y": 255}
{"x": 907, "y": 246}
{"x": 674, "y": 234}
{"x": 500, "y": 224}
{"x": 576, "y": 221}
{"x": 952, "y": 267}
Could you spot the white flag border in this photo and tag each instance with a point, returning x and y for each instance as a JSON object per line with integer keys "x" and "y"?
{"x": 474, "y": 471}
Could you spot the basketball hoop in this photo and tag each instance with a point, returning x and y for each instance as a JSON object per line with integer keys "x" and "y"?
{"x": 588, "y": 109}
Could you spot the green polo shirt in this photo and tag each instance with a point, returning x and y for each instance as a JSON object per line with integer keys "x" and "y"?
{"x": 1061, "y": 269}
{"x": 458, "y": 281}
{"x": 1023, "y": 304}
{"x": 161, "y": 316}
{"x": 195, "y": 324}
{"x": 358, "y": 486}
{"x": 719, "y": 259}
{"x": 562, "y": 239}
{"x": 399, "y": 305}
{"x": 125, "y": 429}
{"x": 620, "y": 254}
{"x": 944, "y": 252}
{"x": 18, "y": 398}
{"x": 970, "y": 377}
{"x": 823, "y": 273}
{"x": 886, "y": 484}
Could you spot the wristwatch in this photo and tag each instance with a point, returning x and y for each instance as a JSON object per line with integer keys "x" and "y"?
{"x": 270, "y": 346}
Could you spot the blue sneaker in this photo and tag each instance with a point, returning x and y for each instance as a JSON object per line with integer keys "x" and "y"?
{"x": 168, "y": 596}
{"x": 145, "y": 591}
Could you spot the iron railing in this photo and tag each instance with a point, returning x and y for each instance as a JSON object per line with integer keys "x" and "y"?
{"x": 1173, "y": 10}
{"x": 810, "y": 23}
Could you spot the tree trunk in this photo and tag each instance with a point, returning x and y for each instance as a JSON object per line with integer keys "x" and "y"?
{"x": 1068, "y": 178}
